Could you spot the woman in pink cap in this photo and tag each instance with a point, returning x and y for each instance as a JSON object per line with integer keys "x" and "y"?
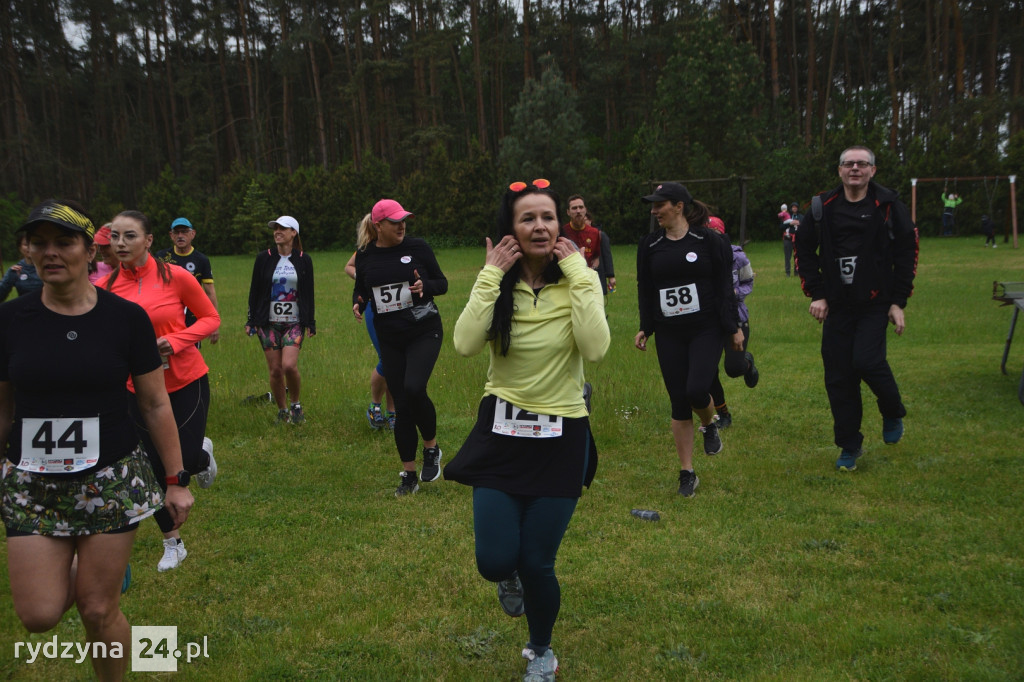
{"x": 282, "y": 313}
{"x": 399, "y": 277}
{"x": 105, "y": 261}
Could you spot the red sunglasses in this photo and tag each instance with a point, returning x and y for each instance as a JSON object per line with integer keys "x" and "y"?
{"x": 539, "y": 183}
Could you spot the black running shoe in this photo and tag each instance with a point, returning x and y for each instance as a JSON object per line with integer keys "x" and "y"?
{"x": 510, "y": 596}
{"x": 688, "y": 483}
{"x": 712, "y": 440}
{"x": 724, "y": 418}
{"x": 751, "y": 376}
{"x": 409, "y": 484}
{"x": 431, "y": 470}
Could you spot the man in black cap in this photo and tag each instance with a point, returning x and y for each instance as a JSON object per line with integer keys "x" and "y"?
{"x": 856, "y": 254}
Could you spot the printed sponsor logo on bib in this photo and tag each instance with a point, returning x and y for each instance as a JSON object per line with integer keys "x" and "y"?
{"x": 392, "y": 297}
{"x": 681, "y": 300}
{"x": 284, "y": 311}
{"x": 847, "y": 268}
{"x": 60, "y": 445}
{"x": 510, "y": 420}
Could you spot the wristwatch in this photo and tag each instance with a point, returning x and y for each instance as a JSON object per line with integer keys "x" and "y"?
{"x": 181, "y": 478}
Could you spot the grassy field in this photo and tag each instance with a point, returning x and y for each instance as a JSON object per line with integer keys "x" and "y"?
{"x": 303, "y": 565}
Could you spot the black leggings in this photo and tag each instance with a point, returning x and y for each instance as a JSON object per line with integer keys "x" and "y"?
{"x": 735, "y": 364}
{"x": 408, "y": 362}
{"x": 689, "y": 361}
{"x": 190, "y": 405}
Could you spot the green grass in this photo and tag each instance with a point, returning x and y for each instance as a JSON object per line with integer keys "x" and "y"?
{"x": 302, "y": 564}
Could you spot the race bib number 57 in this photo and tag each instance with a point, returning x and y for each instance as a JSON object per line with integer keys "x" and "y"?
{"x": 510, "y": 420}
{"x": 60, "y": 445}
{"x": 391, "y": 297}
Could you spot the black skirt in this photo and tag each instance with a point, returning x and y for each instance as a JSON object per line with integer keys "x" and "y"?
{"x": 538, "y": 467}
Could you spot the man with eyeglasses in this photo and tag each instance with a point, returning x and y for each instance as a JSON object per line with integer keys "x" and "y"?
{"x": 856, "y": 254}
{"x": 183, "y": 254}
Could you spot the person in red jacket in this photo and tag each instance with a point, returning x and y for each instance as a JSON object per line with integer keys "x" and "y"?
{"x": 581, "y": 233}
{"x": 164, "y": 291}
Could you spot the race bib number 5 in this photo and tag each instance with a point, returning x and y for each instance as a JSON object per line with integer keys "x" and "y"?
{"x": 61, "y": 445}
{"x": 679, "y": 300}
{"x": 284, "y": 311}
{"x": 847, "y": 268}
{"x": 392, "y": 297}
{"x": 510, "y": 420}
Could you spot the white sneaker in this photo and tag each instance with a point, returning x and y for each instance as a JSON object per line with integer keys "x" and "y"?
{"x": 174, "y": 554}
{"x": 206, "y": 476}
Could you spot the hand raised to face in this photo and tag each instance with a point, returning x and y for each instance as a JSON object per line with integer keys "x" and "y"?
{"x": 505, "y": 254}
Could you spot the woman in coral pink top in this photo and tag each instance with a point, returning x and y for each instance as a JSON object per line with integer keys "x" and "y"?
{"x": 164, "y": 291}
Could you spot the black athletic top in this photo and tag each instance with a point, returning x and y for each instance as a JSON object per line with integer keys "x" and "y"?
{"x": 385, "y": 269}
{"x": 197, "y": 264}
{"x": 693, "y": 275}
{"x": 67, "y": 367}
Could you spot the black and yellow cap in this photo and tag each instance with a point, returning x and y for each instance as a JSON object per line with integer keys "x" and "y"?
{"x": 52, "y": 211}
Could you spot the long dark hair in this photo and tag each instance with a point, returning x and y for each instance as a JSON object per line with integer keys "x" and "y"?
{"x": 162, "y": 268}
{"x": 696, "y": 213}
{"x": 501, "y": 321}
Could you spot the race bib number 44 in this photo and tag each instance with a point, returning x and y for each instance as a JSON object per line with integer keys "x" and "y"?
{"x": 284, "y": 311}
{"x": 392, "y": 297}
{"x": 510, "y": 420}
{"x": 61, "y": 445}
{"x": 679, "y": 300}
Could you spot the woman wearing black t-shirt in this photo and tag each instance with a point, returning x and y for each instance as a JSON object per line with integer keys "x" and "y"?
{"x": 75, "y": 482}
{"x": 684, "y": 278}
{"x": 399, "y": 276}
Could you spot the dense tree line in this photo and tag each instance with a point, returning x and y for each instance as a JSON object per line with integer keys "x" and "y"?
{"x": 230, "y": 111}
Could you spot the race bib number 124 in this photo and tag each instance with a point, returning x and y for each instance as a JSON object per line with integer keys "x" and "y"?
{"x": 510, "y": 420}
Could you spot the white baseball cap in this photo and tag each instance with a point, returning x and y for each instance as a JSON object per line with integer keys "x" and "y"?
{"x": 285, "y": 221}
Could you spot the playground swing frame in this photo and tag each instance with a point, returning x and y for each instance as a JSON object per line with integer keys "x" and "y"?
{"x": 1013, "y": 196}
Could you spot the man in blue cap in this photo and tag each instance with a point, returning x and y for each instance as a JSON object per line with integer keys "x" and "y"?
{"x": 184, "y": 254}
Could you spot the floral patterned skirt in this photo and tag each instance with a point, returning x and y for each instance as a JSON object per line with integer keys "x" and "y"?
{"x": 98, "y": 501}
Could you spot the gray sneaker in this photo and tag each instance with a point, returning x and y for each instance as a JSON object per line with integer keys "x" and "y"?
{"x": 206, "y": 477}
{"x": 297, "y": 416}
{"x": 540, "y": 668}
{"x": 510, "y": 596}
{"x": 282, "y": 416}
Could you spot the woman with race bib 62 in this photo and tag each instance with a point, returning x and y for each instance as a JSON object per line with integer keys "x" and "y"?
{"x": 282, "y": 313}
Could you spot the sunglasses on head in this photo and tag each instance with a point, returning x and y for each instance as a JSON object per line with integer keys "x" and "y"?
{"x": 539, "y": 183}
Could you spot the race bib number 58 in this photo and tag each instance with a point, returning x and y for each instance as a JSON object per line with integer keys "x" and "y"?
{"x": 679, "y": 300}
{"x": 60, "y": 445}
{"x": 510, "y": 420}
